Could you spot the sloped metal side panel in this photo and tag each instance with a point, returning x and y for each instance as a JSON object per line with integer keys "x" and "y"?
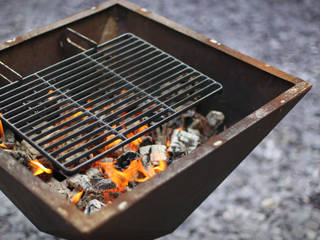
{"x": 165, "y": 208}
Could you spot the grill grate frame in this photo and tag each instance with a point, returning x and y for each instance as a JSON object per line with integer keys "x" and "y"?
{"x": 41, "y": 107}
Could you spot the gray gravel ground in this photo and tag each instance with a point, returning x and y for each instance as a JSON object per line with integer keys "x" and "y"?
{"x": 275, "y": 192}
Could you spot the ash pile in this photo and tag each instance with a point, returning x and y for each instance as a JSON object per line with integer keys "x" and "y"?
{"x": 96, "y": 186}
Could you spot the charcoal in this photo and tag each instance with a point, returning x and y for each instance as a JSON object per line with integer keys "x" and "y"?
{"x": 195, "y": 132}
{"x": 146, "y": 140}
{"x": 183, "y": 141}
{"x": 201, "y": 123}
{"x": 215, "y": 119}
{"x": 103, "y": 184}
{"x": 152, "y": 154}
{"x": 158, "y": 152}
{"x": 79, "y": 182}
{"x": 31, "y": 151}
{"x": 93, "y": 206}
{"x": 145, "y": 155}
{"x": 107, "y": 160}
{"x": 9, "y": 139}
{"x": 60, "y": 187}
{"x": 87, "y": 196}
{"x": 93, "y": 173}
{"x": 125, "y": 159}
{"x": 188, "y": 118}
{"x": 18, "y": 152}
{"x": 175, "y": 123}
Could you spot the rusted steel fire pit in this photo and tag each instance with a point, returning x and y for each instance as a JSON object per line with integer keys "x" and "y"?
{"x": 255, "y": 98}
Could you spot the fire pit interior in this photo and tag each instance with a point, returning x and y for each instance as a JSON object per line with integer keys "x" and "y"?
{"x": 138, "y": 138}
{"x": 105, "y": 112}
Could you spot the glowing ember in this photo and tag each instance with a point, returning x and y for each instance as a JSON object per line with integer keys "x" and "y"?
{"x": 38, "y": 168}
{"x": 52, "y": 97}
{"x": 106, "y": 107}
{"x": 76, "y": 198}
{"x": 110, "y": 145}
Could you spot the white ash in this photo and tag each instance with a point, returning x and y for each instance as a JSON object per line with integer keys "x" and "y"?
{"x": 93, "y": 206}
{"x": 145, "y": 155}
{"x": 158, "y": 152}
{"x": 94, "y": 173}
{"x": 183, "y": 141}
{"x": 79, "y": 182}
{"x": 152, "y": 154}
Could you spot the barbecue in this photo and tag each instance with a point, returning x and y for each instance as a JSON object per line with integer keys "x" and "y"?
{"x": 122, "y": 89}
{"x": 105, "y": 93}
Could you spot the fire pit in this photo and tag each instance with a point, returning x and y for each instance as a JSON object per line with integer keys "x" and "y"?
{"x": 266, "y": 102}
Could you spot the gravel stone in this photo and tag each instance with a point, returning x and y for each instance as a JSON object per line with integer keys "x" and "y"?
{"x": 285, "y": 165}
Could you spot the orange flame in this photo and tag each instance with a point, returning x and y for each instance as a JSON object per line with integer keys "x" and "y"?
{"x": 134, "y": 145}
{"x": 1, "y": 130}
{"x": 38, "y": 168}
{"x": 76, "y": 198}
{"x": 2, "y": 145}
{"x": 120, "y": 178}
{"x": 161, "y": 167}
{"x": 134, "y": 172}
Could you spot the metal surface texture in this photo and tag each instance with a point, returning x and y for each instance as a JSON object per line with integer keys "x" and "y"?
{"x": 100, "y": 98}
{"x": 156, "y": 207}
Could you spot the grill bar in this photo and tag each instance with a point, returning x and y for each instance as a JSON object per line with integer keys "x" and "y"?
{"x": 83, "y": 108}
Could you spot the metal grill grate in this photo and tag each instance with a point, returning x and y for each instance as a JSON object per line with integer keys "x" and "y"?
{"x": 82, "y": 109}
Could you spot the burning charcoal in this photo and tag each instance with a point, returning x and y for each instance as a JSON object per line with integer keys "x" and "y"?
{"x": 152, "y": 154}
{"x": 79, "y": 182}
{"x": 215, "y": 119}
{"x": 93, "y": 206}
{"x": 125, "y": 159}
{"x": 183, "y": 142}
{"x": 158, "y": 152}
{"x": 103, "y": 184}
